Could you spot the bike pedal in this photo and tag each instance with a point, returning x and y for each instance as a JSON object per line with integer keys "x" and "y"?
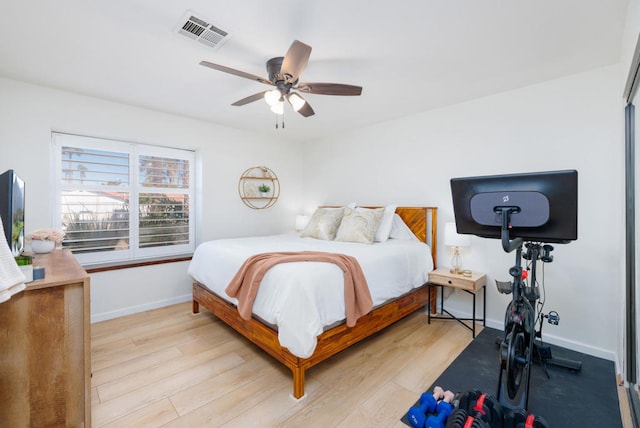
{"x": 553, "y": 318}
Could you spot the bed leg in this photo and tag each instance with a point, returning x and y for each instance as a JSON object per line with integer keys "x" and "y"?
{"x": 196, "y": 307}
{"x": 298, "y": 383}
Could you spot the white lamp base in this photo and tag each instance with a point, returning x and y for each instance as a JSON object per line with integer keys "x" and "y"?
{"x": 456, "y": 262}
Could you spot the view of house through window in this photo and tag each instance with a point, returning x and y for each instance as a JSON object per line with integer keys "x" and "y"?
{"x": 123, "y": 201}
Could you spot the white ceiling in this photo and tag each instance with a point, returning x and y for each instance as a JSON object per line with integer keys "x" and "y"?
{"x": 409, "y": 56}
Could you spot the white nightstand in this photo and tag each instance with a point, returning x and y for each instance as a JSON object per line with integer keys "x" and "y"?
{"x": 469, "y": 284}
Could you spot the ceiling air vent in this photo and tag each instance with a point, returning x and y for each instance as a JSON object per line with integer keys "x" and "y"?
{"x": 200, "y": 30}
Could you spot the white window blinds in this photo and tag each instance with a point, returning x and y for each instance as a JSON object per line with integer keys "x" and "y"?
{"x": 123, "y": 201}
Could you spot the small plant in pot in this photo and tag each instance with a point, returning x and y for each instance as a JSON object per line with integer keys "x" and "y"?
{"x": 264, "y": 190}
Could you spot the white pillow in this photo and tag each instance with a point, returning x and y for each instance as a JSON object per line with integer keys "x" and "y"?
{"x": 382, "y": 234}
{"x": 323, "y": 223}
{"x": 400, "y": 230}
{"x": 359, "y": 225}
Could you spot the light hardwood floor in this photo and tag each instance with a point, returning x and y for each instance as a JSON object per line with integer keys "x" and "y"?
{"x": 169, "y": 368}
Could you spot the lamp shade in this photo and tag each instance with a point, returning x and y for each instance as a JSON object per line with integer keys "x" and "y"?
{"x": 301, "y": 221}
{"x": 453, "y": 239}
{"x": 272, "y": 97}
{"x": 278, "y": 107}
{"x": 296, "y": 101}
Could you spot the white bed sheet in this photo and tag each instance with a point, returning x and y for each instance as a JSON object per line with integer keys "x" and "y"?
{"x": 302, "y": 298}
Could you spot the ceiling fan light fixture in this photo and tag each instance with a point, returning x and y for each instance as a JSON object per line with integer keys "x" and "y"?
{"x": 297, "y": 102}
{"x": 284, "y": 73}
{"x": 278, "y": 108}
{"x": 272, "y": 97}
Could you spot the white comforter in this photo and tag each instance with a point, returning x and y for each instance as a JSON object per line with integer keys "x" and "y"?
{"x": 302, "y": 298}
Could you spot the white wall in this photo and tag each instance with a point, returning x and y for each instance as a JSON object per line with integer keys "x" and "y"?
{"x": 28, "y": 115}
{"x": 569, "y": 123}
{"x": 573, "y": 122}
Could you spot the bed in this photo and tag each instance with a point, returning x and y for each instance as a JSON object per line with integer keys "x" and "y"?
{"x": 260, "y": 329}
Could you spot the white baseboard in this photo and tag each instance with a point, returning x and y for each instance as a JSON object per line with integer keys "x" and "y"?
{"x": 491, "y": 323}
{"x": 140, "y": 308}
{"x": 554, "y": 340}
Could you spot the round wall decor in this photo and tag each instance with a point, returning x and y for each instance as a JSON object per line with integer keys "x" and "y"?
{"x": 259, "y": 187}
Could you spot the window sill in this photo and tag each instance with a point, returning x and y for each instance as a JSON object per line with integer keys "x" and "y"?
{"x": 104, "y": 267}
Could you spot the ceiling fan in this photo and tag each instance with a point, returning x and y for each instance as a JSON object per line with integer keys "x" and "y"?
{"x": 284, "y": 73}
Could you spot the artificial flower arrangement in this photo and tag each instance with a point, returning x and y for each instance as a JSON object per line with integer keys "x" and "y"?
{"x": 54, "y": 235}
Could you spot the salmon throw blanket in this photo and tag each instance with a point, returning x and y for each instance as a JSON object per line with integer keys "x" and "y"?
{"x": 245, "y": 283}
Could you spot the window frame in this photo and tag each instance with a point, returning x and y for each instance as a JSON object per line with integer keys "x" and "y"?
{"x": 133, "y": 189}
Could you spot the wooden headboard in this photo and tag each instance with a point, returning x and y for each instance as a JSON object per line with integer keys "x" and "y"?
{"x": 423, "y": 222}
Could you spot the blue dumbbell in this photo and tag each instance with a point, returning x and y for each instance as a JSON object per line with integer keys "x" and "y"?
{"x": 443, "y": 410}
{"x": 428, "y": 402}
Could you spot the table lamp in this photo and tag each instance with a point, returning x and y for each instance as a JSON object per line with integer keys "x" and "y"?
{"x": 301, "y": 221}
{"x": 453, "y": 239}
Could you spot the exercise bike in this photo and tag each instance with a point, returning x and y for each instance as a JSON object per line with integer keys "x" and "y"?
{"x": 516, "y": 348}
{"x": 519, "y": 346}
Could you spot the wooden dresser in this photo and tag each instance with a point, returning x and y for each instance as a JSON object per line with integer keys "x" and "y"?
{"x": 45, "y": 348}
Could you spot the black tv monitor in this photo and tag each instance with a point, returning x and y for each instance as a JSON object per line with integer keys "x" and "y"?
{"x": 543, "y": 206}
{"x": 12, "y": 210}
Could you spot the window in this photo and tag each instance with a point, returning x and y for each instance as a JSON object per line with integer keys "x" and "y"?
{"x": 119, "y": 201}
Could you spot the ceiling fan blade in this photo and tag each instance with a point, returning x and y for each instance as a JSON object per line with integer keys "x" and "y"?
{"x": 236, "y": 72}
{"x": 295, "y": 61}
{"x": 329, "y": 88}
{"x": 250, "y": 99}
{"x": 296, "y": 100}
{"x": 306, "y": 110}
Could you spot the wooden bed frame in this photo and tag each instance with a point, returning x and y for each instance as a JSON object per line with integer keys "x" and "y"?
{"x": 421, "y": 220}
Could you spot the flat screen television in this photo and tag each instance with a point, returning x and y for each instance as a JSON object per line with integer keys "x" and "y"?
{"x": 543, "y": 206}
{"x": 12, "y": 210}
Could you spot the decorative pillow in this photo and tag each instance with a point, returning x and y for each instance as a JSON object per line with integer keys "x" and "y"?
{"x": 382, "y": 234}
{"x": 359, "y": 225}
{"x": 352, "y": 205}
{"x": 323, "y": 223}
{"x": 400, "y": 230}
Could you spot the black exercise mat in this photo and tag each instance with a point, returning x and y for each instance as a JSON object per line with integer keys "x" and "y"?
{"x": 587, "y": 398}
